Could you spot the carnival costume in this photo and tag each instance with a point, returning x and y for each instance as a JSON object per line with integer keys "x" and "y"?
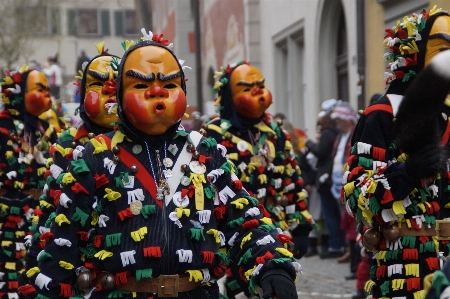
{"x": 98, "y": 113}
{"x": 154, "y": 203}
{"x": 24, "y": 140}
{"x": 266, "y": 164}
{"x": 387, "y": 185}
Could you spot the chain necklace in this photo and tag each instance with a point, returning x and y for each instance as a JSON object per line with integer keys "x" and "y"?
{"x": 162, "y": 188}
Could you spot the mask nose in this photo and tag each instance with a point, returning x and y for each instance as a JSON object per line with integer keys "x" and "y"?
{"x": 156, "y": 92}
{"x": 47, "y": 94}
{"x": 257, "y": 91}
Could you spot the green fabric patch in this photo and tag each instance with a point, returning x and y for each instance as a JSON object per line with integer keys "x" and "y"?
{"x": 148, "y": 210}
{"x": 196, "y": 233}
{"x": 79, "y": 166}
{"x": 80, "y": 216}
{"x": 144, "y": 273}
{"x": 113, "y": 239}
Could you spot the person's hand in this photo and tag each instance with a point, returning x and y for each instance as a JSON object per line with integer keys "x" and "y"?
{"x": 277, "y": 283}
{"x": 424, "y": 163}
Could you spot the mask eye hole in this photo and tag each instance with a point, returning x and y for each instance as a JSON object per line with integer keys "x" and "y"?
{"x": 141, "y": 86}
{"x": 170, "y": 86}
{"x": 96, "y": 84}
{"x": 246, "y": 89}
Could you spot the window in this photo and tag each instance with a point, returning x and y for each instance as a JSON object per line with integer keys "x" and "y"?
{"x": 126, "y": 23}
{"x": 88, "y": 22}
{"x": 289, "y": 67}
{"x": 44, "y": 20}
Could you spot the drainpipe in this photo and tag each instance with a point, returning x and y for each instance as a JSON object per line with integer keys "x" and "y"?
{"x": 198, "y": 55}
{"x": 361, "y": 48}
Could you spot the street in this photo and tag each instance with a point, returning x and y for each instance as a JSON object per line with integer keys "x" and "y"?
{"x": 324, "y": 279}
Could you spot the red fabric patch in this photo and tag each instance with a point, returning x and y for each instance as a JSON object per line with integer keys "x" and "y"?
{"x": 47, "y": 236}
{"x": 262, "y": 259}
{"x": 263, "y": 211}
{"x": 25, "y": 290}
{"x": 121, "y": 277}
{"x": 100, "y": 180}
{"x": 220, "y": 211}
{"x": 250, "y": 224}
{"x": 208, "y": 257}
{"x": 66, "y": 290}
{"x": 77, "y": 188}
{"x": 152, "y": 251}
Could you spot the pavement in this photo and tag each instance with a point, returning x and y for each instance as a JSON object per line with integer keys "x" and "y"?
{"x": 321, "y": 279}
{"x": 324, "y": 279}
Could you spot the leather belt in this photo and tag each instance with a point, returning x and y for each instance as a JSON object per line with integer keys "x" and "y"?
{"x": 164, "y": 285}
{"x": 34, "y": 193}
{"x": 393, "y": 232}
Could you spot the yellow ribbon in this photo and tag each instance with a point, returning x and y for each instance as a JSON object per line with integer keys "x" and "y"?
{"x": 215, "y": 233}
{"x": 9, "y": 154}
{"x": 262, "y": 178}
{"x": 66, "y": 265}
{"x": 68, "y": 178}
{"x": 117, "y": 138}
{"x": 266, "y": 220}
{"x": 412, "y": 269}
{"x": 249, "y": 272}
{"x": 180, "y": 211}
{"x": 10, "y": 266}
{"x": 103, "y": 254}
{"x": 197, "y": 275}
{"x": 197, "y": 178}
{"x": 246, "y": 239}
{"x": 369, "y": 285}
{"x": 6, "y": 243}
{"x": 419, "y": 294}
{"x": 397, "y": 284}
{"x": 139, "y": 234}
{"x": 240, "y": 202}
{"x": 99, "y": 146}
{"x": 34, "y": 219}
{"x": 20, "y": 233}
{"x": 45, "y": 204}
{"x": 284, "y": 251}
{"x": 111, "y": 194}
{"x": 61, "y": 218}
{"x": 49, "y": 162}
{"x": 19, "y": 185}
{"x": 33, "y": 271}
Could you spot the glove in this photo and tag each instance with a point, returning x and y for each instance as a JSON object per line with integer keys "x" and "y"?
{"x": 277, "y": 283}
{"x": 424, "y": 163}
{"x": 300, "y": 239}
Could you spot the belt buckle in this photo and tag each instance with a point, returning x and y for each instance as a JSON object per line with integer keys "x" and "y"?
{"x": 163, "y": 289}
{"x": 443, "y": 229}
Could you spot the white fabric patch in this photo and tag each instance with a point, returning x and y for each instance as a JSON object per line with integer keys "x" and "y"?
{"x": 204, "y": 216}
{"x": 128, "y": 257}
{"x": 226, "y": 193}
{"x": 184, "y": 256}
{"x": 290, "y": 209}
{"x": 56, "y": 171}
{"x": 63, "y": 242}
{"x": 135, "y": 195}
{"x": 109, "y": 164}
{"x": 42, "y": 281}
{"x": 266, "y": 240}
{"x": 64, "y": 200}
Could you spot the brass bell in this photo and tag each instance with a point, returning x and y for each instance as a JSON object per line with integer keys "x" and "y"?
{"x": 195, "y": 155}
{"x": 279, "y": 122}
{"x": 282, "y": 201}
{"x": 205, "y": 126}
{"x": 85, "y": 280}
{"x": 91, "y": 135}
{"x": 133, "y": 168}
{"x": 361, "y": 112}
{"x": 372, "y": 239}
{"x": 202, "y": 131}
{"x": 184, "y": 167}
{"x": 228, "y": 136}
{"x": 108, "y": 282}
{"x": 394, "y": 119}
{"x": 392, "y": 233}
{"x": 189, "y": 147}
{"x": 73, "y": 144}
{"x": 115, "y": 150}
{"x": 116, "y": 160}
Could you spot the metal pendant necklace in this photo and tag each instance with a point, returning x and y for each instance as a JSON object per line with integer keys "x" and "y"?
{"x": 162, "y": 187}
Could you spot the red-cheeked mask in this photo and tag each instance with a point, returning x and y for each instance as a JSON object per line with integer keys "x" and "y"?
{"x": 153, "y": 97}
{"x": 100, "y": 92}
{"x": 251, "y": 98}
{"x": 37, "y": 97}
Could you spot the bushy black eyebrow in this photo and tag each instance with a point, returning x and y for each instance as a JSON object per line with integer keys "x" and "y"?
{"x": 162, "y": 77}
{"x": 443, "y": 36}
{"x": 45, "y": 87}
{"x": 149, "y": 78}
{"x": 245, "y": 83}
{"x": 98, "y": 75}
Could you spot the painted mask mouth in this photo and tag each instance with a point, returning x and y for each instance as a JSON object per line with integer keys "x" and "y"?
{"x": 159, "y": 107}
{"x": 262, "y": 100}
{"x": 111, "y": 106}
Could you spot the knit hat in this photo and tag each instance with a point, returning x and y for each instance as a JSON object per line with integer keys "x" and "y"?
{"x": 344, "y": 111}
{"x": 327, "y": 106}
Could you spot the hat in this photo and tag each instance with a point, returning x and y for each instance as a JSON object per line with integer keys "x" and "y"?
{"x": 328, "y": 105}
{"x": 345, "y": 112}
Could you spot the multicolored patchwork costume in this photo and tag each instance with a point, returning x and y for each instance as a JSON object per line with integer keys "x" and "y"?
{"x": 153, "y": 214}
{"x": 264, "y": 158}
{"x": 24, "y": 158}
{"x": 381, "y": 192}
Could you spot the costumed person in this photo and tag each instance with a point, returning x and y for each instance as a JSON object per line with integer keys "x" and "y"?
{"x": 155, "y": 210}
{"x": 24, "y": 140}
{"x": 266, "y": 163}
{"x": 392, "y": 185}
{"x": 99, "y": 115}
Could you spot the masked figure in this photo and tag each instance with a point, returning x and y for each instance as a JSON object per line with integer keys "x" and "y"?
{"x": 264, "y": 157}
{"x": 24, "y": 140}
{"x": 392, "y": 185}
{"x": 97, "y": 109}
{"x": 151, "y": 207}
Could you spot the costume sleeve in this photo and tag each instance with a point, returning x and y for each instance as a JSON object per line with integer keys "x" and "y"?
{"x": 61, "y": 154}
{"x": 376, "y": 182}
{"x": 251, "y": 239}
{"x": 55, "y": 274}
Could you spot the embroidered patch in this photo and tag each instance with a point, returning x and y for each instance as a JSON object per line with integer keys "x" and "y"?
{"x": 168, "y": 162}
{"x": 130, "y": 183}
{"x": 180, "y": 201}
{"x": 197, "y": 167}
{"x": 173, "y": 149}
{"x": 185, "y": 181}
